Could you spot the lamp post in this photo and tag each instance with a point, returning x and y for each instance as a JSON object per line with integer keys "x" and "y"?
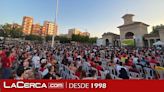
{"x": 53, "y": 37}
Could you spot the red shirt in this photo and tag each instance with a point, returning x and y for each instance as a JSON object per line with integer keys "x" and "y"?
{"x": 42, "y": 69}
{"x": 130, "y": 63}
{"x": 2, "y": 54}
{"x": 99, "y": 68}
{"x": 78, "y": 74}
{"x": 6, "y": 62}
{"x": 153, "y": 61}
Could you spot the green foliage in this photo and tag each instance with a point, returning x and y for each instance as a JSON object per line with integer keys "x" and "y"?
{"x": 76, "y": 38}
{"x": 156, "y": 29}
{"x": 62, "y": 39}
{"x": 16, "y": 33}
{"x": 10, "y": 31}
{"x": 33, "y": 38}
{"x": 48, "y": 38}
{"x": 93, "y": 40}
{"x": 83, "y": 39}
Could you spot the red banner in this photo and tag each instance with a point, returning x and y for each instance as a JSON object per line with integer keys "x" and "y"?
{"x": 81, "y": 86}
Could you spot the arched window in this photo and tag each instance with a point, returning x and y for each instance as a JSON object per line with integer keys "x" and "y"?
{"x": 129, "y": 35}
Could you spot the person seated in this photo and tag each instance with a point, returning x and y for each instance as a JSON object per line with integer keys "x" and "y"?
{"x": 92, "y": 75}
{"x": 158, "y": 67}
{"x": 79, "y": 73}
{"x": 51, "y": 73}
{"x": 128, "y": 62}
{"x": 99, "y": 68}
{"x": 134, "y": 69}
{"x": 73, "y": 67}
{"x": 108, "y": 76}
{"x": 123, "y": 74}
{"x": 153, "y": 60}
{"x": 19, "y": 73}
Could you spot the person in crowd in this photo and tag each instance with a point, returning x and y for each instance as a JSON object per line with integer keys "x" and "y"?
{"x": 108, "y": 76}
{"x": 92, "y": 75}
{"x": 6, "y": 65}
{"x": 51, "y": 74}
{"x": 31, "y": 60}
{"x": 123, "y": 74}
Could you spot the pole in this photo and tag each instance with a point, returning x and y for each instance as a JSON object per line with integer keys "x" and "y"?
{"x": 53, "y": 37}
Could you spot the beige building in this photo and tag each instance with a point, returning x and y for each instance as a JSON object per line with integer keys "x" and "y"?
{"x": 27, "y": 25}
{"x": 76, "y": 31}
{"x": 15, "y": 25}
{"x": 133, "y": 30}
{"x": 86, "y": 34}
{"x": 73, "y": 31}
{"x": 43, "y": 29}
{"x": 111, "y": 39}
{"x": 36, "y": 29}
{"x": 149, "y": 39}
{"x": 51, "y": 28}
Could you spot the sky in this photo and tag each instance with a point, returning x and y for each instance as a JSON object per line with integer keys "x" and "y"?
{"x": 94, "y": 16}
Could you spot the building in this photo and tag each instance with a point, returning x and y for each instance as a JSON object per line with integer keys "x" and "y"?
{"x": 86, "y": 34}
{"x": 27, "y": 25}
{"x": 136, "y": 32}
{"x": 149, "y": 39}
{"x": 51, "y": 28}
{"x": 111, "y": 39}
{"x": 15, "y": 25}
{"x": 63, "y": 35}
{"x": 133, "y": 30}
{"x": 43, "y": 30}
{"x": 36, "y": 29}
{"x": 77, "y": 31}
{"x": 74, "y": 31}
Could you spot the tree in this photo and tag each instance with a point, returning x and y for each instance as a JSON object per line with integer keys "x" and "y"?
{"x": 33, "y": 38}
{"x": 9, "y": 30}
{"x": 64, "y": 39}
{"x": 156, "y": 29}
{"x": 48, "y": 38}
{"x": 83, "y": 39}
{"x": 2, "y": 33}
{"x": 93, "y": 40}
{"x": 16, "y": 33}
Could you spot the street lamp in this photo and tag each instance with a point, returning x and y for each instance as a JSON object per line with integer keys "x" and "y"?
{"x": 53, "y": 37}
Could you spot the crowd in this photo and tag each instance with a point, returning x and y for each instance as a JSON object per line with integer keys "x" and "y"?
{"x": 79, "y": 61}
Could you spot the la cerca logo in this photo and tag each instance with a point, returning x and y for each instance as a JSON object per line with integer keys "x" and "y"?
{"x": 35, "y": 85}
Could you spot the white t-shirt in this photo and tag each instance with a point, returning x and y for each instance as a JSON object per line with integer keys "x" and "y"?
{"x": 36, "y": 61}
{"x": 135, "y": 60}
{"x": 115, "y": 60}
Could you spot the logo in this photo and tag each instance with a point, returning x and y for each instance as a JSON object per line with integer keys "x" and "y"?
{"x": 55, "y": 85}
{"x": 21, "y": 84}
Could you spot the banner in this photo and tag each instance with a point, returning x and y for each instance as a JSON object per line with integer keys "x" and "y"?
{"x": 128, "y": 42}
{"x": 81, "y": 86}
